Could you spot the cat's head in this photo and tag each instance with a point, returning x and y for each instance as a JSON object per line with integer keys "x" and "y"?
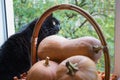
{"x": 50, "y": 26}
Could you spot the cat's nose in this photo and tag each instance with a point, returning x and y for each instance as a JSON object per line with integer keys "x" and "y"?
{"x": 59, "y": 27}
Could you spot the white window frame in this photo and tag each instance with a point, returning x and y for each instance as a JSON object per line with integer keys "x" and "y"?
{"x": 117, "y": 40}
{"x": 6, "y": 20}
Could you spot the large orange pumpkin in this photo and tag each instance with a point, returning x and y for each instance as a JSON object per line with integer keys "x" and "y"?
{"x": 59, "y": 48}
{"x": 77, "y": 68}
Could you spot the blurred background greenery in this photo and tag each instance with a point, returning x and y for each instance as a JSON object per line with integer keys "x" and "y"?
{"x": 73, "y": 25}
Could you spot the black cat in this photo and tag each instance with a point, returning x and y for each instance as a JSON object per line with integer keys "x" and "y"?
{"x": 15, "y": 52}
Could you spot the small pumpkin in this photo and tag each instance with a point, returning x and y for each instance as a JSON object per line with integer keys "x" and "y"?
{"x": 59, "y": 48}
{"x": 43, "y": 70}
{"x": 77, "y": 68}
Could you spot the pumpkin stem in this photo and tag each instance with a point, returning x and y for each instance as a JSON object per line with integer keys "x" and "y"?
{"x": 72, "y": 68}
{"x": 47, "y": 61}
{"x": 97, "y": 48}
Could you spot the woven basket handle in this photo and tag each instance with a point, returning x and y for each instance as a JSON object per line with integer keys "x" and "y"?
{"x": 83, "y": 13}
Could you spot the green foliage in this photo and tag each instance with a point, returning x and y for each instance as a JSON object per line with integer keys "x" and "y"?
{"x": 27, "y": 10}
{"x": 73, "y": 25}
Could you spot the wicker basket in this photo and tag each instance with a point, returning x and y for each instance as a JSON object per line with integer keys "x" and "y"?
{"x": 83, "y": 13}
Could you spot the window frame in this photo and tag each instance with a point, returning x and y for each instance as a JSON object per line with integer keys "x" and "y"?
{"x": 117, "y": 39}
{"x": 7, "y": 20}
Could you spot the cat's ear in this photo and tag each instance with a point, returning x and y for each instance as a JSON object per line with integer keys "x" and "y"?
{"x": 51, "y": 15}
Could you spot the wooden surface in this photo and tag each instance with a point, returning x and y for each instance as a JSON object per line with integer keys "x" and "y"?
{"x": 117, "y": 39}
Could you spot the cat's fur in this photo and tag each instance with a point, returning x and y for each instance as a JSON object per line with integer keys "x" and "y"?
{"x": 15, "y": 52}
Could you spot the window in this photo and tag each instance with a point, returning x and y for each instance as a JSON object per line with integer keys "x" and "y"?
{"x": 36, "y": 7}
{"x": 6, "y": 20}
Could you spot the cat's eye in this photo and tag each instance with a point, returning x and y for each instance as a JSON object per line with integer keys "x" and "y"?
{"x": 54, "y": 23}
